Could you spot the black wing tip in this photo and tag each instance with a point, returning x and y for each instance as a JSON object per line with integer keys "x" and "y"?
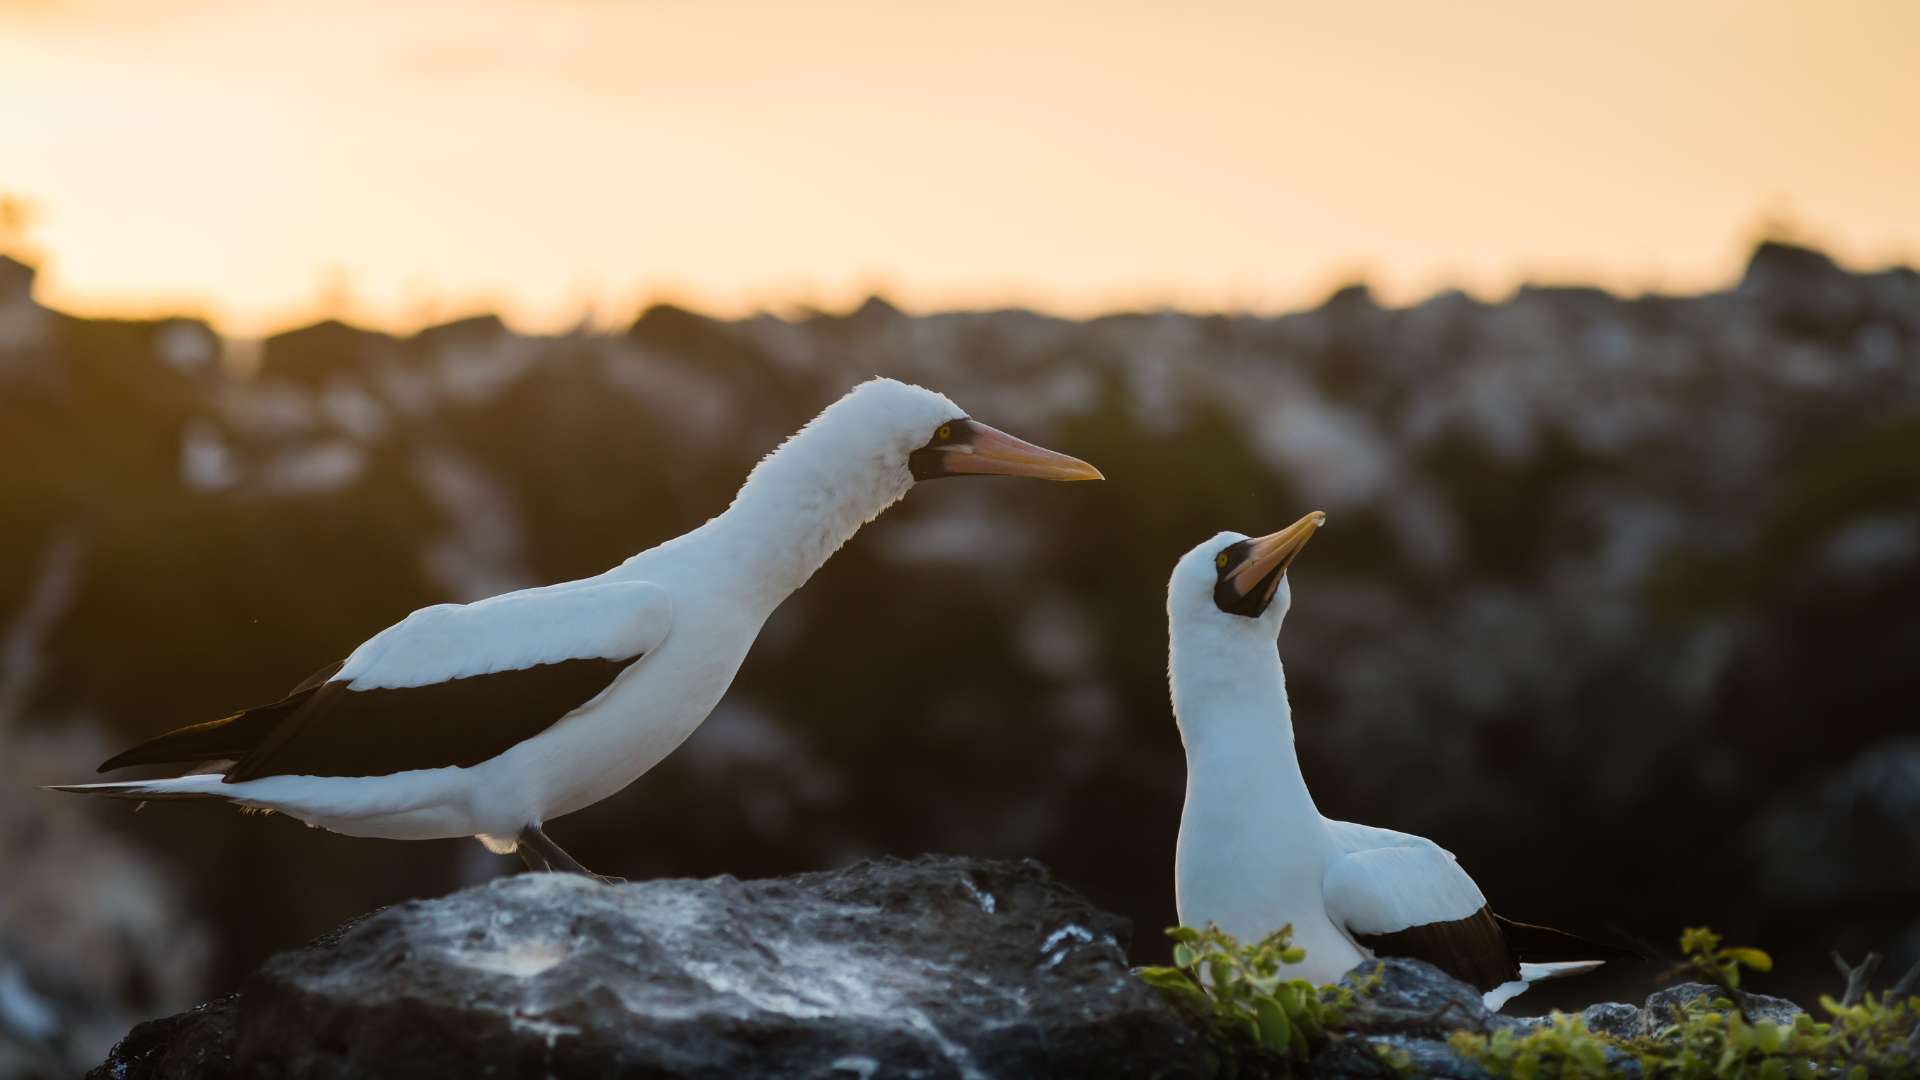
{"x": 1472, "y": 949}
{"x": 160, "y": 750}
{"x": 227, "y": 737}
{"x": 231, "y": 736}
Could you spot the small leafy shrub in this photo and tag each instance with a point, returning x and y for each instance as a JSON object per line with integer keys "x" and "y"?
{"x": 1564, "y": 1048}
{"x": 1244, "y": 992}
{"x": 1264, "y": 1022}
{"x": 1711, "y": 963}
{"x": 1868, "y": 1036}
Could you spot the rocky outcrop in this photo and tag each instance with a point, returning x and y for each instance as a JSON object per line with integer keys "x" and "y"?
{"x": 935, "y": 967}
{"x": 931, "y": 967}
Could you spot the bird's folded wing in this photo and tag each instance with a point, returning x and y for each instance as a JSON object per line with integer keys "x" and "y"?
{"x": 456, "y": 684}
{"x": 1386, "y": 890}
{"x": 511, "y": 632}
{"x": 1414, "y": 900}
{"x": 451, "y": 685}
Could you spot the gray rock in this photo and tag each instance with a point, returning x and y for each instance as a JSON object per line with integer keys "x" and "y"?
{"x": 934, "y": 967}
{"x": 1661, "y": 1005}
{"x": 1432, "y": 1058}
{"x": 195, "y": 1043}
{"x": 1612, "y": 1018}
{"x": 1414, "y": 997}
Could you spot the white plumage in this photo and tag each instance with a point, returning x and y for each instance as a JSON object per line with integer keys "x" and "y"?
{"x": 1383, "y": 890}
{"x": 607, "y": 620}
{"x": 1254, "y": 853}
{"x": 490, "y": 719}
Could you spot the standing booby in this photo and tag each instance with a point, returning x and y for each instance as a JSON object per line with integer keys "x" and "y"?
{"x": 492, "y": 718}
{"x": 1254, "y": 854}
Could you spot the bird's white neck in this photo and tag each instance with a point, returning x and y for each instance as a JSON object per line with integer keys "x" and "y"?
{"x": 800, "y": 505}
{"x": 1230, "y": 700}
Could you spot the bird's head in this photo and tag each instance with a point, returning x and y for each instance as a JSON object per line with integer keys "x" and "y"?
{"x": 860, "y": 455}
{"x": 917, "y": 434}
{"x": 946, "y": 442}
{"x": 1236, "y": 585}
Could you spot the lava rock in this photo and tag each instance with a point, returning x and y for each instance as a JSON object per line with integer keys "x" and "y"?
{"x": 1659, "y": 1011}
{"x": 195, "y": 1043}
{"x": 1412, "y": 997}
{"x": 1613, "y": 1019}
{"x": 931, "y": 967}
{"x": 1394, "y": 1056}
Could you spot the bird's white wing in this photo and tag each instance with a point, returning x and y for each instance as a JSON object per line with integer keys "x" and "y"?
{"x": 1413, "y": 900}
{"x": 1398, "y": 894}
{"x": 1386, "y": 890}
{"x": 447, "y": 686}
{"x": 1354, "y": 837}
{"x": 511, "y": 632}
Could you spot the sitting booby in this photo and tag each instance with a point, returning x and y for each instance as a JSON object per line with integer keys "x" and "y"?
{"x": 492, "y": 718}
{"x": 1254, "y": 854}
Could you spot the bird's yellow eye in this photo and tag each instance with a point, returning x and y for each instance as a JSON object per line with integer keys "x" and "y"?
{"x": 1220, "y": 560}
{"x": 945, "y": 432}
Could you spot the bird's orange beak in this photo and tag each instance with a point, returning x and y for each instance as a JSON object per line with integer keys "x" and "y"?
{"x": 1269, "y": 556}
{"x": 979, "y": 450}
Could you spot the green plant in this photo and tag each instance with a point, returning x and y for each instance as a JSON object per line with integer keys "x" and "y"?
{"x": 1244, "y": 992}
{"x": 1711, "y": 963}
{"x": 1563, "y": 1048}
{"x": 1262, "y": 1019}
{"x": 1715, "y": 1035}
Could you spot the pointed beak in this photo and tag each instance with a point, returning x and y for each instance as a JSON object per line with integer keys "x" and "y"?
{"x": 979, "y": 450}
{"x": 1269, "y": 556}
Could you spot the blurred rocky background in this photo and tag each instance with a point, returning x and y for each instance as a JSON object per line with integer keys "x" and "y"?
{"x": 1617, "y": 601}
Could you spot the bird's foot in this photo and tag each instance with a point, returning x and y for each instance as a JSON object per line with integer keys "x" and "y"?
{"x": 541, "y": 853}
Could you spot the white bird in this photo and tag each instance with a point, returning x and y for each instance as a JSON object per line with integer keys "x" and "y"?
{"x": 492, "y": 718}
{"x": 1254, "y": 854}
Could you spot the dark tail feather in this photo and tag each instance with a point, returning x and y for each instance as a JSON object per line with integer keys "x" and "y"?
{"x": 1534, "y": 944}
{"x": 214, "y": 739}
{"x": 317, "y": 679}
{"x": 230, "y": 737}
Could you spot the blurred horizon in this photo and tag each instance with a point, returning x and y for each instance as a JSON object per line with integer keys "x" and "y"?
{"x": 37, "y": 261}
{"x": 561, "y": 164}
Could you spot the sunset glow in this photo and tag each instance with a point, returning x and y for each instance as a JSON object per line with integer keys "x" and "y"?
{"x": 403, "y": 163}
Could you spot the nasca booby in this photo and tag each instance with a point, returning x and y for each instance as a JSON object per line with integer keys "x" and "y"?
{"x": 1254, "y": 854}
{"x": 491, "y": 719}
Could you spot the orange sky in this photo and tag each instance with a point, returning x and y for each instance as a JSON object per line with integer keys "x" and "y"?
{"x": 400, "y": 162}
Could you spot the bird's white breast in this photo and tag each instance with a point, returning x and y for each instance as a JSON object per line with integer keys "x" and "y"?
{"x": 1252, "y": 854}
{"x": 644, "y": 716}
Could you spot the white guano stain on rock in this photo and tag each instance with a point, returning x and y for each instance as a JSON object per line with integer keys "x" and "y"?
{"x": 520, "y": 959}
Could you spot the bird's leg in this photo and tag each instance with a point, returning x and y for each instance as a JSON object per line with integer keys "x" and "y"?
{"x": 535, "y": 861}
{"x": 535, "y": 843}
